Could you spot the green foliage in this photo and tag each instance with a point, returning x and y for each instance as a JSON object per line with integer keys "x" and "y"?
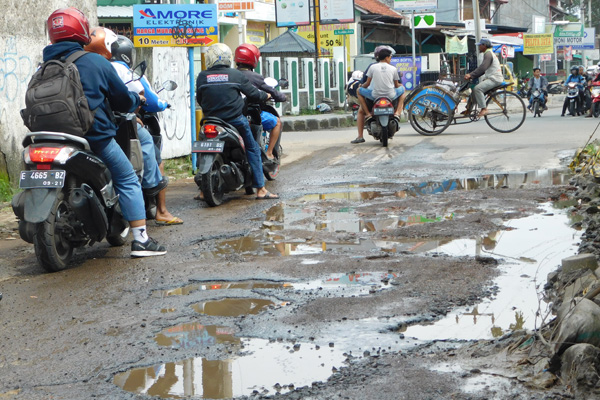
{"x": 6, "y": 189}
{"x": 180, "y": 167}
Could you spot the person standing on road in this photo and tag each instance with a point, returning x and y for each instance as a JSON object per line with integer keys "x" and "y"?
{"x": 218, "y": 91}
{"x": 69, "y": 31}
{"x": 490, "y": 70}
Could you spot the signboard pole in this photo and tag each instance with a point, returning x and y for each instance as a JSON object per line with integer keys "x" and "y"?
{"x": 192, "y": 103}
{"x": 414, "y": 58}
{"x": 477, "y": 24}
{"x": 317, "y": 38}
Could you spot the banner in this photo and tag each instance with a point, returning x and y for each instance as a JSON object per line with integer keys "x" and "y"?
{"x": 416, "y": 5}
{"x": 327, "y": 37}
{"x": 585, "y": 42}
{"x": 539, "y": 43}
{"x": 292, "y": 13}
{"x": 173, "y": 25}
{"x": 404, "y": 65}
{"x": 336, "y": 11}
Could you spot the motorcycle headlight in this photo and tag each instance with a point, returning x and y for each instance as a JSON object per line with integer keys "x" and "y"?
{"x": 536, "y": 93}
{"x": 596, "y": 91}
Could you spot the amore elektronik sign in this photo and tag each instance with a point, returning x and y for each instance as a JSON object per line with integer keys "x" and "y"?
{"x": 173, "y": 25}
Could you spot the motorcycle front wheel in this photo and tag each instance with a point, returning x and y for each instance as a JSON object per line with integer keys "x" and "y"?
{"x": 536, "y": 109}
{"x": 596, "y": 109}
{"x": 52, "y": 246}
{"x": 572, "y": 108}
{"x": 211, "y": 184}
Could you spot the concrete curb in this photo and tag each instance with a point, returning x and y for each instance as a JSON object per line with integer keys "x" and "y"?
{"x": 310, "y": 123}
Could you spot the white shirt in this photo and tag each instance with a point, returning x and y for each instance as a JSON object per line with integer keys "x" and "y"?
{"x": 126, "y": 75}
{"x": 382, "y": 77}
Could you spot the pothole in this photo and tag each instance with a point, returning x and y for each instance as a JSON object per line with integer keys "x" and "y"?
{"x": 265, "y": 367}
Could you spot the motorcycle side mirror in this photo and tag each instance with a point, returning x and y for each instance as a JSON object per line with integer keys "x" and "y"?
{"x": 168, "y": 86}
{"x": 284, "y": 83}
{"x": 138, "y": 72}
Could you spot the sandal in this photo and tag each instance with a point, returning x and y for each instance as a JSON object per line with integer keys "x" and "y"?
{"x": 268, "y": 196}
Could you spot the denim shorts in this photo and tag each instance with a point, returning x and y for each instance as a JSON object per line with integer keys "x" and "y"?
{"x": 368, "y": 93}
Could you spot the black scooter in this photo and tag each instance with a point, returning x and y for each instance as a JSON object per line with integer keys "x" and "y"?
{"x": 68, "y": 199}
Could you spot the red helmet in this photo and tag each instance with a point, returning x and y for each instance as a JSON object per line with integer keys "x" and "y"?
{"x": 247, "y": 54}
{"x": 68, "y": 24}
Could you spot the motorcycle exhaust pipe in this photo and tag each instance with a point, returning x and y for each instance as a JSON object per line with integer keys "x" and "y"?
{"x": 231, "y": 176}
{"x": 90, "y": 212}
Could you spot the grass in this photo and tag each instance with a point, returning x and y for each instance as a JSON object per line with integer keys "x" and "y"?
{"x": 6, "y": 189}
{"x": 180, "y": 167}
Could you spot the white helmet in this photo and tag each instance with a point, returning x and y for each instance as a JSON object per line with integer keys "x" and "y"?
{"x": 357, "y": 75}
{"x": 218, "y": 54}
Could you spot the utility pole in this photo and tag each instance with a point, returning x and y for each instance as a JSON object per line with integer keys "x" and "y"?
{"x": 477, "y": 25}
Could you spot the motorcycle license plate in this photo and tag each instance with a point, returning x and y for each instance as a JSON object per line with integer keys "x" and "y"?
{"x": 383, "y": 111}
{"x": 42, "y": 179}
{"x": 208, "y": 146}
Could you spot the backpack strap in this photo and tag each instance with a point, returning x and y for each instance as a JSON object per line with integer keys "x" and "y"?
{"x": 75, "y": 56}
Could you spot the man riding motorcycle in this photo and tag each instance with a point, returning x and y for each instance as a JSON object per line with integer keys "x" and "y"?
{"x": 69, "y": 31}
{"x": 246, "y": 58}
{"x": 580, "y": 81}
{"x": 538, "y": 82}
{"x": 112, "y": 47}
{"x": 385, "y": 84}
{"x": 218, "y": 90}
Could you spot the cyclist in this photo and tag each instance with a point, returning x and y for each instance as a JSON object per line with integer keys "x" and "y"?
{"x": 490, "y": 69}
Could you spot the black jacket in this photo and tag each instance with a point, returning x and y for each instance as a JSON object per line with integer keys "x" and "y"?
{"x": 259, "y": 82}
{"x": 219, "y": 89}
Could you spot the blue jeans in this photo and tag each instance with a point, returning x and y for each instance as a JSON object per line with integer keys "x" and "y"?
{"x": 125, "y": 181}
{"x": 542, "y": 99}
{"x": 152, "y": 173}
{"x": 252, "y": 150}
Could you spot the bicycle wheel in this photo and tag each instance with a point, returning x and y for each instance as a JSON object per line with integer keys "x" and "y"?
{"x": 506, "y": 111}
{"x": 427, "y": 117}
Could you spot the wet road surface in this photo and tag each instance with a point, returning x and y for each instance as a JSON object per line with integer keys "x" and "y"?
{"x": 370, "y": 255}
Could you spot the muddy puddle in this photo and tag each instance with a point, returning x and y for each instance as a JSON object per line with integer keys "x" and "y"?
{"x": 528, "y": 249}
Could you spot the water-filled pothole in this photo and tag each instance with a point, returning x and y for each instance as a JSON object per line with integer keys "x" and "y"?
{"x": 266, "y": 367}
{"x": 195, "y": 334}
{"x": 232, "y": 307}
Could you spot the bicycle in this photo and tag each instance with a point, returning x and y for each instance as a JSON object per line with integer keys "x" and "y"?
{"x": 432, "y": 108}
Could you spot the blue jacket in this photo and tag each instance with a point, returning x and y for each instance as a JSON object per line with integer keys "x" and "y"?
{"x": 580, "y": 80}
{"x": 100, "y": 81}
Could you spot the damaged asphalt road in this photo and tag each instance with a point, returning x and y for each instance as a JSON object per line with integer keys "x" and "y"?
{"x": 337, "y": 290}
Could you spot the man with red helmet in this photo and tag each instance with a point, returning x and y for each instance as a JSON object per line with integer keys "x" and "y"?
{"x": 69, "y": 31}
{"x": 246, "y": 58}
{"x": 105, "y": 42}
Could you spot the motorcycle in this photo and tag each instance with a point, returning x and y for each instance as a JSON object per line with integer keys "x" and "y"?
{"x": 573, "y": 98}
{"x": 556, "y": 87}
{"x": 222, "y": 164}
{"x": 151, "y": 121}
{"x": 595, "y": 94}
{"x": 536, "y": 103}
{"x": 384, "y": 123}
{"x": 522, "y": 88}
{"x": 68, "y": 199}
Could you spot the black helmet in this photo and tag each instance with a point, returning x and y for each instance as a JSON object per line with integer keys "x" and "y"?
{"x": 122, "y": 50}
{"x": 575, "y": 68}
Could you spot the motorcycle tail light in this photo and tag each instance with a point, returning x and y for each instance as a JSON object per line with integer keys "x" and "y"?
{"x": 48, "y": 155}
{"x": 383, "y": 103}
{"x": 210, "y": 131}
{"x": 44, "y": 166}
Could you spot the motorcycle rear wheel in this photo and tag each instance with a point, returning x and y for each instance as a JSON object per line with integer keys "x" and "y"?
{"x": 384, "y": 136}
{"x": 52, "y": 246}
{"x": 596, "y": 109}
{"x": 212, "y": 185}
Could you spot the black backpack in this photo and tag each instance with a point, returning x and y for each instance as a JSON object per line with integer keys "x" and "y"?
{"x": 55, "y": 100}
